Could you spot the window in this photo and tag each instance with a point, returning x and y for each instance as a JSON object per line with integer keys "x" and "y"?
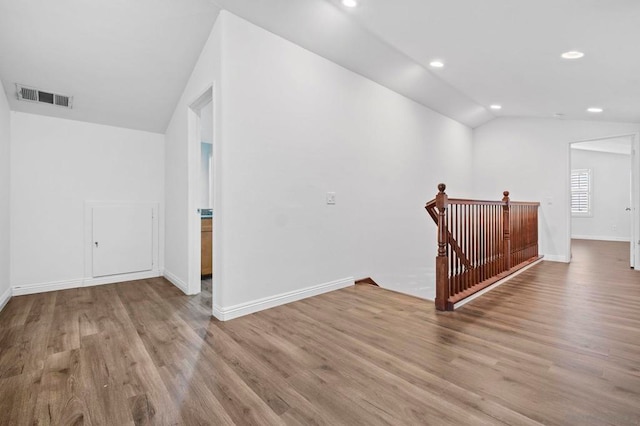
{"x": 581, "y": 192}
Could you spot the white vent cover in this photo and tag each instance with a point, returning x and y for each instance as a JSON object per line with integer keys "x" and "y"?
{"x": 31, "y": 94}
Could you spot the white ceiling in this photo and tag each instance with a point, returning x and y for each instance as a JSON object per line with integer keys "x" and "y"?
{"x": 508, "y": 52}
{"x": 126, "y": 62}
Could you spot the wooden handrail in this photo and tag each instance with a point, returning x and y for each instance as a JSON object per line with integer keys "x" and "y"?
{"x": 480, "y": 242}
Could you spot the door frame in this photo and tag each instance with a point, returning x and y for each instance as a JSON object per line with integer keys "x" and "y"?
{"x": 207, "y": 95}
{"x": 634, "y": 244}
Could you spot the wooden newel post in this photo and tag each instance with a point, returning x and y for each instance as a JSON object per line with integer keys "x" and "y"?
{"x": 506, "y": 226}
{"x": 442, "y": 263}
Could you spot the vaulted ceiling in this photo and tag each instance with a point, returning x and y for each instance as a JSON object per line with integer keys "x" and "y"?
{"x": 127, "y": 62}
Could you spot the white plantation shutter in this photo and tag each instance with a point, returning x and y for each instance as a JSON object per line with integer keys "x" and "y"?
{"x": 581, "y": 192}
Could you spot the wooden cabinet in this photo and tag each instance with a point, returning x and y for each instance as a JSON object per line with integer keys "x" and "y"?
{"x": 206, "y": 247}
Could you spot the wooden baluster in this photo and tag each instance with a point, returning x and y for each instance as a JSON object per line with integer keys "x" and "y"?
{"x": 463, "y": 245}
{"x": 497, "y": 239}
{"x": 468, "y": 247}
{"x": 475, "y": 244}
{"x": 476, "y": 269}
{"x": 506, "y": 233}
{"x": 490, "y": 254}
{"x": 485, "y": 254}
{"x": 517, "y": 236}
{"x": 460, "y": 239}
{"x": 452, "y": 272}
{"x": 500, "y": 241}
{"x": 529, "y": 238}
{"x": 442, "y": 272}
{"x": 520, "y": 234}
{"x": 484, "y": 242}
{"x": 458, "y": 260}
{"x": 490, "y": 258}
{"x": 513, "y": 212}
{"x": 452, "y": 231}
{"x": 478, "y": 240}
{"x": 450, "y": 248}
{"x": 496, "y": 242}
{"x": 536, "y": 230}
{"x": 481, "y": 243}
{"x": 522, "y": 228}
{"x": 530, "y": 241}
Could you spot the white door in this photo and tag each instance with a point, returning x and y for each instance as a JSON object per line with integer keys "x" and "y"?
{"x": 122, "y": 239}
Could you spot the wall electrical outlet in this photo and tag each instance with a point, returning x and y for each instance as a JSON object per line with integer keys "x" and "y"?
{"x": 331, "y": 197}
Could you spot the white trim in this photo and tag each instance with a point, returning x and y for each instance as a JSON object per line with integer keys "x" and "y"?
{"x": 173, "y": 279}
{"x": 88, "y": 282}
{"x": 634, "y": 246}
{"x": 231, "y": 312}
{"x": 494, "y": 285}
{"x": 20, "y": 290}
{"x": 194, "y": 221}
{"x": 599, "y": 238}
{"x": 556, "y": 258}
{"x": 5, "y": 297}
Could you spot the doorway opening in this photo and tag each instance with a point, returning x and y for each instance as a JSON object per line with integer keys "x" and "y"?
{"x": 603, "y": 194}
{"x": 201, "y": 203}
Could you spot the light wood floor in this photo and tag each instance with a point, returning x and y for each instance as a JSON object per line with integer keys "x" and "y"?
{"x": 558, "y": 344}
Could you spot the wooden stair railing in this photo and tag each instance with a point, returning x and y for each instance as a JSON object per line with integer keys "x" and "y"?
{"x": 480, "y": 243}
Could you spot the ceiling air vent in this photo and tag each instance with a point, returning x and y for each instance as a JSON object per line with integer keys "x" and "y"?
{"x": 31, "y": 94}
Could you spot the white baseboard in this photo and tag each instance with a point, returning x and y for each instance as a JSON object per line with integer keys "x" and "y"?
{"x": 5, "y": 297}
{"x": 600, "y": 238}
{"x": 231, "y": 312}
{"x": 173, "y": 279}
{"x": 556, "y": 258}
{"x": 120, "y": 278}
{"x": 20, "y": 290}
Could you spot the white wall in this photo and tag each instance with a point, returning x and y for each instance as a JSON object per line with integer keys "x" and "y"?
{"x": 5, "y": 163}
{"x": 610, "y": 195}
{"x": 530, "y": 158}
{"x": 290, "y": 126}
{"x": 59, "y": 164}
{"x": 296, "y": 126}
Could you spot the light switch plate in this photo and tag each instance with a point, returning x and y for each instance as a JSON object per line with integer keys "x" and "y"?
{"x": 331, "y": 197}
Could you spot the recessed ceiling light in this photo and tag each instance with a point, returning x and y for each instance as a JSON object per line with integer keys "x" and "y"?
{"x": 595, "y": 109}
{"x": 436, "y": 64}
{"x": 573, "y": 54}
{"x": 349, "y": 3}
{"x": 496, "y": 107}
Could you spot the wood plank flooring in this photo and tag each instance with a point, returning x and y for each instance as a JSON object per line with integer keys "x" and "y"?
{"x": 558, "y": 344}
